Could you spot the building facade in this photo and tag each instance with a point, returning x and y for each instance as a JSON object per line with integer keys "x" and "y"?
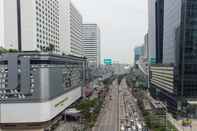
{"x": 76, "y": 31}
{"x": 91, "y": 43}
{"x": 41, "y": 85}
{"x": 172, "y": 22}
{"x": 175, "y": 78}
{"x": 155, "y": 29}
{"x": 139, "y": 52}
{"x": 41, "y": 25}
{"x": 159, "y": 7}
{"x": 152, "y": 29}
{"x": 146, "y": 46}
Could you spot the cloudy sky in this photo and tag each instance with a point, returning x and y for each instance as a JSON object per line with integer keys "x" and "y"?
{"x": 123, "y": 24}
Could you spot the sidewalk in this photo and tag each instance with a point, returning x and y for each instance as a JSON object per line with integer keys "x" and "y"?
{"x": 174, "y": 122}
{"x": 193, "y": 128}
{"x": 178, "y": 124}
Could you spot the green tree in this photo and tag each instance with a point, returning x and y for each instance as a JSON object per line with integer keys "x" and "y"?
{"x": 3, "y": 50}
{"x": 12, "y": 50}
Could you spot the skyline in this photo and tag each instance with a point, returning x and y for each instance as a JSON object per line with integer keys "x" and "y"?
{"x": 120, "y": 22}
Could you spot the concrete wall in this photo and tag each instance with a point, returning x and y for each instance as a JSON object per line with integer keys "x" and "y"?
{"x": 65, "y": 43}
{"x": 28, "y": 23}
{"x": 1, "y": 23}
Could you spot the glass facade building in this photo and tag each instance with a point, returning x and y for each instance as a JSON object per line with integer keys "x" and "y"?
{"x": 159, "y": 7}
{"x": 172, "y": 21}
{"x": 187, "y": 55}
{"x": 179, "y": 53}
{"x": 180, "y": 44}
{"x": 139, "y": 51}
{"x": 155, "y": 29}
{"x": 151, "y": 29}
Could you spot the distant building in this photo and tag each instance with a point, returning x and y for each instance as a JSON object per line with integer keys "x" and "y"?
{"x": 76, "y": 32}
{"x": 41, "y": 25}
{"x": 152, "y": 29}
{"x": 139, "y": 51}
{"x": 91, "y": 43}
{"x": 146, "y": 46}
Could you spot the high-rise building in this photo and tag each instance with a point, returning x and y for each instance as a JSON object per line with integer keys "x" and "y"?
{"x": 152, "y": 29}
{"x": 41, "y": 25}
{"x": 34, "y": 24}
{"x": 1, "y": 23}
{"x": 146, "y": 46}
{"x": 91, "y": 43}
{"x": 139, "y": 52}
{"x": 155, "y": 30}
{"x": 76, "y": 31}
{"x": 175, "y": 78}
{"x": 159, "y": 7}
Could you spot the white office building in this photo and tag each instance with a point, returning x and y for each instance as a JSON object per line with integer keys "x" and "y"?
{"x": 76, "y": 31}
{"x": 39, "y": 25}
{"x": 91, "y": 43}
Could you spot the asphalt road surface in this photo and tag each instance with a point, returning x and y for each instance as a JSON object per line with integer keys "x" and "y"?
{"x": 108, "y": 119}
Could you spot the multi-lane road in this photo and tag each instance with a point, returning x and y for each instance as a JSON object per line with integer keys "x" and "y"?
{"x": 121, "y": 112}
{"x": 132, "y": 118}
{"x": 108, "y": 118}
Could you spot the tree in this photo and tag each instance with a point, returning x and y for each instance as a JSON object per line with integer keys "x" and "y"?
{"x": 12, "y": 50}
{"x": 3, "y": 50}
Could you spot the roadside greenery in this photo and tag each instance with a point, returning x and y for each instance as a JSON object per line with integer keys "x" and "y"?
{"x": 109, "y": 80}
{"x": 90, "y": 110}
{"x": 120, "y": 77}
{"x": 3, "y": 50}
{"x": 155, "y": 121}
{"x": 187, "y": 122}
{"x": 136, "y": 79}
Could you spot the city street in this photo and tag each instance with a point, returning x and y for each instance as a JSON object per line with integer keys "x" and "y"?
{"x": 108, "y": 118}
{"x": 121, "y": 112}
{"x": 130, "y": 115}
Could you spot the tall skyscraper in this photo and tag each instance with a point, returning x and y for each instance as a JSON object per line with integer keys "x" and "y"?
{"x": 152, "y": 29}
{"x": 41, "y": 25}
{"x": 146, "y": 46}
{"x": 91, "y": 43}
{"x": 175, "y": 78}
{"x": 155, "y": 29}
{"x": 159, "y": 6}
{"x": 76, "y": 31}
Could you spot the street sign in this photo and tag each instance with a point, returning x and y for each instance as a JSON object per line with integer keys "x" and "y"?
{"x": 108, "y": 61}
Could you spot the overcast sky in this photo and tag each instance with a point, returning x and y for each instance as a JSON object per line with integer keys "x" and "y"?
{"x": 123, "y": 24}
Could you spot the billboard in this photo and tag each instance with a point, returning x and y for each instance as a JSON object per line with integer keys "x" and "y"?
{"x": 108, "y": 61}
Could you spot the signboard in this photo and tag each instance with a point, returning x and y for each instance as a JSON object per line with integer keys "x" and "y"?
{"x": 108, "y": 61}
